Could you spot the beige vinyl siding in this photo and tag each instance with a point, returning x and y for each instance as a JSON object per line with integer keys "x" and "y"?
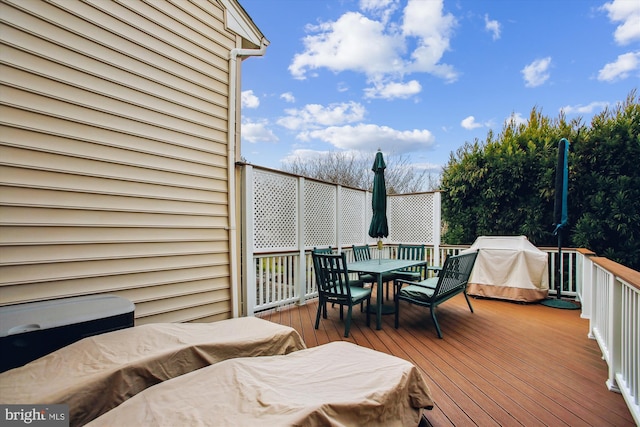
{"x": 113, "y": 154}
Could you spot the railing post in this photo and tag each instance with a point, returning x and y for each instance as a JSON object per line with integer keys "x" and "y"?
{"x": 249, "y": 266}
{"x": 436, "y": 227}
{"x": 365, "y": 231}
{"x": 301, "y": 278}
{"x": 615, "y": 332}
{"x": 584, "y": 281}
{"x": 338, "y": 214}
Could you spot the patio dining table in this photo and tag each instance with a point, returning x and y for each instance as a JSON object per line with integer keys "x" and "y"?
{"x": 378, "y": 267}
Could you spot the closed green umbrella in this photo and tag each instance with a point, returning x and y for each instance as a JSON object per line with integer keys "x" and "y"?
{"x": 561, "y": 221}
{"x": 379, "y": 227}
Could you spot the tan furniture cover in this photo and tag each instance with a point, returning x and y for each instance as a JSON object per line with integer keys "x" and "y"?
{"x": 510, "y": 268}
{"x": 336, "y": 384}
{"x": 98, "y": 373}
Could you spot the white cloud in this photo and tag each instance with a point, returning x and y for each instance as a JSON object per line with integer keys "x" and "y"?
{"x": 470, "y": 123}
{"x": 353, "y": 42}
{"x": 257, "y": 131}
{"x": 537, "y": 73}
{"x": 517, "y": 119}
{"x": 628, "y": 13}
{"x": 377, "y": 4}
{"x": 426, "y": 21}
{"x": 365, "y": 137}
{"x": 312, "y": 116}
{"x": 492, "y": 26}
{"x": 382, "y": 8}
{"x": 249, "y": 100}
{"x": 393, "y": 90}
{"x": 288, "y": 97}
{"x": 377, "y": 47}
{"x": 621, "y": 68}
{"x": 585, "y": 109}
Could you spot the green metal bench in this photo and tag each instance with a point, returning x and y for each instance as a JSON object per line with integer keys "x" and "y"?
{"x": 432, "y": 292}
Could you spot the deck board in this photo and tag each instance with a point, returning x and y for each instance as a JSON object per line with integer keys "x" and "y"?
{"x": 507, "y": 364}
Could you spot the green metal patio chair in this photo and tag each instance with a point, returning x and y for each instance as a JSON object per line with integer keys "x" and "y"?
{"x": 334, "y": 286}
{"x": 328, "y": 250}
{"x": 415, "y": 253}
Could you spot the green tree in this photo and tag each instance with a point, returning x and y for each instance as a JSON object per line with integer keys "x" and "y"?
{"x": 607, "y": 190}
{"x": 505, "y": 185}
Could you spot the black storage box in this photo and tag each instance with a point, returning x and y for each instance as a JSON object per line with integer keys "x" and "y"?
{"x": 31, "y": 330}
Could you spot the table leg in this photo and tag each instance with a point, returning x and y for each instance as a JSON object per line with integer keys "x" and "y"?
{"x": 379, "y": 303}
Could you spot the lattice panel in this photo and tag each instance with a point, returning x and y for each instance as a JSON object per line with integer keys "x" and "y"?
{"x": 353, "y": 208}
{"x": 320, "y": 202}
{"x": 411, "y": 218}
{"x": 369, "y": 216}
{"x": 275, "y": 211}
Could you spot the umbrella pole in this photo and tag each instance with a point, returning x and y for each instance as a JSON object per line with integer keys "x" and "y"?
{"x": 559, "y": 272}
{"x": 558, "y": 302}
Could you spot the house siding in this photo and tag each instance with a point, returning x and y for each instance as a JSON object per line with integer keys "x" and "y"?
{"x": 113, "y": 154}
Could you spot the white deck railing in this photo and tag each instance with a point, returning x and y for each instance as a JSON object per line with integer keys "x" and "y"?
{"x": 287, "y": 277}
{"x": 612, "y": 294}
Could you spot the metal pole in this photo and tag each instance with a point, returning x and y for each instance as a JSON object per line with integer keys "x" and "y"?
{"x": 559, "y": 272}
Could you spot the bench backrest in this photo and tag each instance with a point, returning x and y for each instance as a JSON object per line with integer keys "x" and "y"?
{"x": 454, "y": 275}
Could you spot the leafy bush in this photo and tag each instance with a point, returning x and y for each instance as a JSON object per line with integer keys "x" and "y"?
{"x": 505, "y": 185}
{"x": 607, "y": 191}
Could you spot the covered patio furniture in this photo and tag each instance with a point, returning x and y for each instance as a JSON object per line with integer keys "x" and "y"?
{"x": 509, "y": 268}
{"x": 334, "y": 286}
{"x": 335, "y": 384}
{"x": 451, "y": 281}
{"x": 98, "y": 373}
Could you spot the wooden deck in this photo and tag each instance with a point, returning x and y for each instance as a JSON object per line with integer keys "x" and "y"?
{"x": 507, "y": 364}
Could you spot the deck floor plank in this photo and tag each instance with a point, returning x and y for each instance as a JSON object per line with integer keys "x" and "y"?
{"x": 506, "y": 364}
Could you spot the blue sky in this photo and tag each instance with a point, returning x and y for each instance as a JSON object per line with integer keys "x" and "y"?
{"x": 419, "y": 78}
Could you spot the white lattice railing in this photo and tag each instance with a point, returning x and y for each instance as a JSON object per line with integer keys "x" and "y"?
{"x": 287, "y": 213}
{"x": 614, "y": 300}
{"x": 284, "y": 278}
{"x": 285, "y": 216}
